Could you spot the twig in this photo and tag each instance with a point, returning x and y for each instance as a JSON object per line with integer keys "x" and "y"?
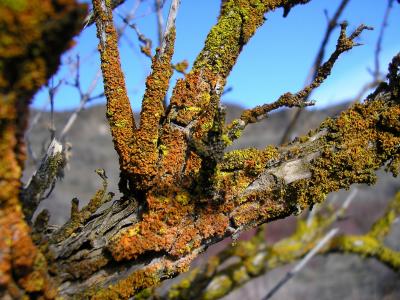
{"x": 160, "y": 21}
{"x": 317, "y": 248}
{"x": 332, "y": 24}
{"x": 346, "y": 203}
{"x": 147, "y": 43}
{"x": 377, "y": 75}
{"x": 173, "y": 11}
{"x": 302, "y": 263}
{"x": 300, "y": 99}
{"x": 377, "y": 72}
{"x": 85, "y": 98}
{"x": 52, "y": 90}
{"x": 28, "y": 132}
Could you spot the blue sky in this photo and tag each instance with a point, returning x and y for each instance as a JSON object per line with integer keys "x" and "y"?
{"x": 275, "y": 61}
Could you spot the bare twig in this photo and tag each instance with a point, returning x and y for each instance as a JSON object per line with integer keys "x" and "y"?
{"x": 52, "y": 90}
{"x": 173, "y": 11}
{"x": 146, "y": 42}
{"x": 28, "y": 132}
{"x": 377, "y": 75}
{"x": 160, "y": 21}
{"x": 377, "y": 72}
{"x": 302, "y": 263}
{"x": 338, "y": 214}
{"x": 85, "y": 98}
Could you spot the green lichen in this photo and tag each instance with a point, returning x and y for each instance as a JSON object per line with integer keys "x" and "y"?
{"x": 240, "y": 275}
{"x": 383, "y": 225}
{"x": 183, "y": 198}
{"x": 357, "y": 144}
{"x": 238, "y": 21}
{"x": 217, "y": 288}
{"x": 17, "y": 5}
{"x": 252, "y": 160}
{"x": 164, "y": 149}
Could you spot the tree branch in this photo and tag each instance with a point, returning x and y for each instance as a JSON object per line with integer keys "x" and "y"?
{"x": 145, "y": 152}
{"x": 300, "y": 99}
{"x": 119, "y": 111}
{"x": 251, "y": 187}
{"x": 23, "y": 267}
{"x": 253, "y": 258}
{"x": 332, "y": 24}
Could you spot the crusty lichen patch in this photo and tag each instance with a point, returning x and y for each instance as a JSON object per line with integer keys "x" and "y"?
{"x": 359, "y": 142}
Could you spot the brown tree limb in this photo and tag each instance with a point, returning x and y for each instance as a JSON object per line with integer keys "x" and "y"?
{"x": 145, "y": 150}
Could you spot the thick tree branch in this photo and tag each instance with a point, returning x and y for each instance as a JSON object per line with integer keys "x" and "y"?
{"x": 255, "y": 257}
{"x": 252, "y": 187}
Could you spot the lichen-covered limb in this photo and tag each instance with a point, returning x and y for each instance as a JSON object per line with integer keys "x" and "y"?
{"x": 91, "y": 17}
{"x": 237, "y": 23}
{"x": 367, "y": 246}
{"x": 382, "y": 226}
{"x": 251, "y": 187}
{"x": 191, "y": 132}
{"x": 119, "y": 111}
{"x": 145, "y": 152}
{"x": 300, "y": 99}
{"x": 253, "y": 258}
{"x": 44, "y": 179}
{"x": 33, "y": 36}
{"x": 372, "y": 244}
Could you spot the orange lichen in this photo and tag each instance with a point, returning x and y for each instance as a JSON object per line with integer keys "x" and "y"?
{"x": 191, "y": 97}
{"x": 119, "y": 111}
{"x": 170, "y": 225}
{"x": 144, "y": 152}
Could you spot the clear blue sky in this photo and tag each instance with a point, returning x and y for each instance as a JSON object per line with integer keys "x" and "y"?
{"x": 275, "y": 61}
